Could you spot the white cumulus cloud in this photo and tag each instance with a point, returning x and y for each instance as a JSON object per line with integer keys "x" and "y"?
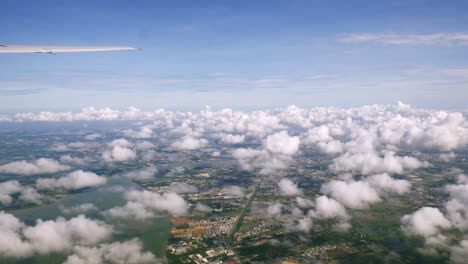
{"x": 73, "y": 181}
{"x": 288, "y": 188}
{"x": 39, "y": 166}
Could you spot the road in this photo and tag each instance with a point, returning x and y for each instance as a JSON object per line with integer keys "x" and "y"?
{"x": 239, "y": 220}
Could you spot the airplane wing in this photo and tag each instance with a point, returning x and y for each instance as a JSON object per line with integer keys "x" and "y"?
{"x": 57, "y": 49}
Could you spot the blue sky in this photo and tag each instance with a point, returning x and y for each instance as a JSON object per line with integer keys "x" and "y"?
{"x": 239, "y": 54}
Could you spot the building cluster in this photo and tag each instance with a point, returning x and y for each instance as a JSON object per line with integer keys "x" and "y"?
{"x": 185, "y": 228}
{"x": 263, "y": 225}
{"x": 321, "y": 253}
{"x": 195, "y": 252}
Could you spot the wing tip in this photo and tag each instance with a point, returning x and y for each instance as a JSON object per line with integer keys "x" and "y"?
{"x": 56, "y": 49}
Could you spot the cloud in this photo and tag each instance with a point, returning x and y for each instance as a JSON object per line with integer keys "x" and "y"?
{"x": 73, "y": 146}
{"x": 93, "y": 136}
{"x": 148, "y": 155}
{"x": 143, "y": 205}
{"x": 442, "y": 131}
{"x": 457, "y": 207}
{"x": 304, "y": 225}
{"x": 39, "y": 166}
{"x": 130, "y": 252}
{"x": 326, "y": 208}
{"x": 277, "y": 152}
{"x": 457, "y": 212}
{"x": 8, "y": 188}
{"x": 425, "y": 222}
{"x": 79, "y": 209}
{"x": 118, "y": 153}
{"x": 462, "y": 178}
{"x": 250, "y": 158}
{"x": 78, "y": 145}
{"x": 11, "y": 242}
{"x": 322, "y": 137}
{"x": 131, "y": 211}
{"x": 49, "y": 236}
{"x": 318, "y": 134}
{"x": 459, "y": 253}
{"x": 189, "y": 143}
{"x": 74, "y": 160}
{"x": 371, "y": 162}
{"x": 383, "y": 182}
{"x": 73, "y": 181}
{"x": 19, "y": 240}
{"x": 235, "y": 191}
{"x": 331, "y": 147}
{"x": 458, "y": 191}
{"x": 143, "y": 174}
{"x": 144, "y": 132}
{"x": 355, "y": 131}
{"x": 282, "y": 143}
{"x": 304, "y": 203}
{"x": 274, "y": 210}
{"x": 289, "y": 188}
{"x": 183, "y": 188}
{"x": 360, "y": 194}
{"x": 377, "y": 143}
{"x": 430, "y": 223}
{"x": 368, "y": 140}
{"x": 201, "y": 207}
{"x": 121, "y": 142}
{"x": 255, "y": 124}
{"x": 444, "y": 39}
{"x": 60, "y": 148}
{"x": 86, "y": 114}
{"x": 144, "y": 145}
{"x": 232, "y": 139}
{"x": 28, "y": 194}
{"x": 447, "y": 157}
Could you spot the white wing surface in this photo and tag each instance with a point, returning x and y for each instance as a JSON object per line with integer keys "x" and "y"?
{"x": 57, "y": 49}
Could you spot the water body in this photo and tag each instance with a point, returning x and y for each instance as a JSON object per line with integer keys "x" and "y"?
{"x": 153, "y": 233}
